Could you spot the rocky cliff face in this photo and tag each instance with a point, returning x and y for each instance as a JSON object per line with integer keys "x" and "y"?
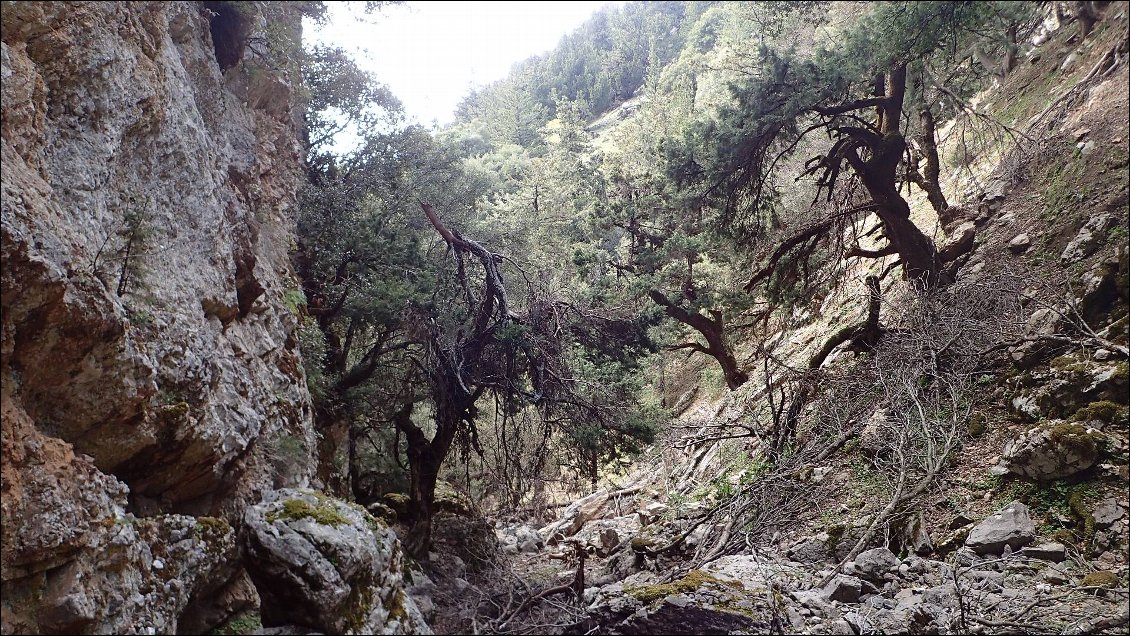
{"x": 149, "y": 353}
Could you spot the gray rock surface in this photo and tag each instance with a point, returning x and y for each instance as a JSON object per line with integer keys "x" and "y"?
{"x": 324, "y": 564}
{"x": 1089, "y": 238}
{"x": 521, "y": 538}
{"x": 700, "y": 603}
{"x": 1020, "y": 243}
{"x": 844, "y": 589}
{"x": 1050, "y": 551}
{"x": 1108, "y": 512}
{"x": 159, "y": 383}
{"x": 876, "y": 564}
{"x": 1052, "y": 451}
{"x": 1011, "y": 526}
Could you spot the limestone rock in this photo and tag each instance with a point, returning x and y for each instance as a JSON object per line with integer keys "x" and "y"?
{"x": 321, "y": 563}
{"x": 1020, "y": 243}
{"x": 74, "y": 561}
{"x": 652, "y": 512}
{"x": 529, "y": 540}
{"x": 158, "y": 390}
{"x": 844, "y": 589}
{"x": 809, "y": 550}
{"x": 1052, "y": 451}
{"x": 1050, "y": 551}
{"x": 1071, "y": 382}
{"x": 1011, "y": 526}
{"x": 577, "y": 514}
{"x": 607, "y": 534}
{"x": 173, "y": 386}
{"x": 700, "y": 603}
{"x": 960, "y": 242}
{"x": 1108, "y": 512}
{"x": 876, "y": 564}
{"x": 1042, "y": 322}
{"x": 1089, "y": 238}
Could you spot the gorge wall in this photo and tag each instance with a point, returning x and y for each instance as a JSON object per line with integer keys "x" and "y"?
{"x": 152, "y": 386}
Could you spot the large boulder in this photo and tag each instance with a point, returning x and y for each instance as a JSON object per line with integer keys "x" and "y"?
{"x": 324, "y": 564}
{"x": 700, "y": 603}
{"x": 876, "y": 564}
{"x": 1011, "y": 526}
{"x": 1069, "y": 383}
{"x": 74, "y": 561}
{"x": 844, "y": 589}
{"x": 577, "y": 514}
{"x": 1053, "y": 451}
{"x": 607, "y": 534}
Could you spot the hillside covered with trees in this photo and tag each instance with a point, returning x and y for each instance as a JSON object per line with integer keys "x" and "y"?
{"x": 698, "y": 203}
{"x": 720, "y": 317}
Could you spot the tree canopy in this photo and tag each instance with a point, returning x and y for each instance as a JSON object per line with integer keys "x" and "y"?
{"x": 500, "y": 287}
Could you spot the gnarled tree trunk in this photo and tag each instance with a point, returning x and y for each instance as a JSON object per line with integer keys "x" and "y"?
{"x": 425, "y": 457}
{"x": 917, "y": 251}
{"x": 713, "y": 331}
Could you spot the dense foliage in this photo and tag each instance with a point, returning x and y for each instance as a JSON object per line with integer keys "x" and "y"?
{"x": 513, "y": 316}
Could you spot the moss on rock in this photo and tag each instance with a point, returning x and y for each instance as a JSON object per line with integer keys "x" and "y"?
{"x": 295, "y": 509}
{"x": 397, "y": 501}
{"x": 694, "y": 580}
{"x": 1077, "y": 502}
{"x": 1102, "y": 578}
{"x": 977, "y": 425}
{"x": 383, "y": 512}
{"x": 1105, "y": 411}
{"x": 1076, "y": 438}
{"x": 359, "y": 604}
{"x": 395, "y": 606}
{"x": 212, "y": 527}
{"x": 835, "y": 535}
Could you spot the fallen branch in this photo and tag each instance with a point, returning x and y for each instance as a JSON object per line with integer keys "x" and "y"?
{"x": 576, "y": 586}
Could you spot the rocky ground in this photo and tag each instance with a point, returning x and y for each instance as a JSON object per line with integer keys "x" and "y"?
{"x": 995, "y": 575}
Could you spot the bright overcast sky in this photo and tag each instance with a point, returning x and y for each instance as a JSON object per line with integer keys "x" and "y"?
{"x": 431, "y": 53}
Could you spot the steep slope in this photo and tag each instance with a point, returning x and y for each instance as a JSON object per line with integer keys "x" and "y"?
{"x": 150, "y": 366}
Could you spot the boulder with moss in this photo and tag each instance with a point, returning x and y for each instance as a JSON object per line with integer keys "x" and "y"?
{"x": 1073, "y": 381}
{"x": 1101, "y": 578}
{"x": 1053, "y": 450}
{"x": 1104, "y": 414}
{"x": 450, "y": 499}
{"x": 327, "y": 565}
{"x": 702, "y": 602}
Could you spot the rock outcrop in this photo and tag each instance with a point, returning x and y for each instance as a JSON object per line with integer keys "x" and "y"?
{"x": 149, "y": 363}
{"x": 702, "y": 602}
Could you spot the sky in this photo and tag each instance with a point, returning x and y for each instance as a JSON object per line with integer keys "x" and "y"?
{"x": 432, "y": 53}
